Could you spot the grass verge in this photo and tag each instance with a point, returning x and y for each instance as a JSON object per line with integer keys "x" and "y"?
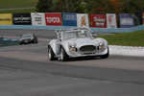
{"x": 126, "y": 39}
{"x": 17, "y": 6}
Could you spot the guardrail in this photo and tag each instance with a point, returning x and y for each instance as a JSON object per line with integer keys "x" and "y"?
{"x": 104, "y": 30}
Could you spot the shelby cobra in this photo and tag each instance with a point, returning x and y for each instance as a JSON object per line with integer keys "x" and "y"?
{"x": 77, "y": 42}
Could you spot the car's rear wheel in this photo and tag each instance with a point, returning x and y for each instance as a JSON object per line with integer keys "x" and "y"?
{"x": 35, "y": 40}
{"x": 51, "y": 55}
{"x": 63, "y": 56}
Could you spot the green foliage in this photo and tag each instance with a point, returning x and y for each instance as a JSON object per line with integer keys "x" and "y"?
{"x": 99, "y": 6}
{"x": 44, "y": 6}
{"x": 119, "y": 6}
{"x": 126, "y": 39}
{"x": 18, "y": 11}
{"x": 79, "y": 6}
{"x": 17, "y": 3}
{"x": 14, "y": 6}
{"x": 67, "y": 6}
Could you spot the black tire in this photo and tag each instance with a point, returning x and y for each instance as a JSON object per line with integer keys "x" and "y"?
{"x": 106, "y": 55}
{"x": 21, "y": 43}
{"x": 63, "y": 55}
{"x": 36, "y": 40}
{"x": 51, "y": 54}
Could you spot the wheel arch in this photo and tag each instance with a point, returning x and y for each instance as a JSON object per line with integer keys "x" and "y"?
{"x": 52, "y": 45}
{"x": 61, "y": 46}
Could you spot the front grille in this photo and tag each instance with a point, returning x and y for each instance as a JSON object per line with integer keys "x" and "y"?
{"x": 88, "y": 49}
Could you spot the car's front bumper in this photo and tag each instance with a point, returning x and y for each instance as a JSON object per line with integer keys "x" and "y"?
{"x": 81, "y": 54}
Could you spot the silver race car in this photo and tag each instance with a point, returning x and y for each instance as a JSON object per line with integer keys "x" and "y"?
{"x": 77, "y": 42}
{"x": 28, "y": 38}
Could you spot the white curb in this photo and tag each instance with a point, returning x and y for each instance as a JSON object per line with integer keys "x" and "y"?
{"x": 126, "y": 51}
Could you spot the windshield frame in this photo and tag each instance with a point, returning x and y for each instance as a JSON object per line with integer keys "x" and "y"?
{"x": 82, "y": 33}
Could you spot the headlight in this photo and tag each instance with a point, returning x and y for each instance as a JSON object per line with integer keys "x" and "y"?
{"x": 101, "y": 45}
{"x": 72, "y": 47}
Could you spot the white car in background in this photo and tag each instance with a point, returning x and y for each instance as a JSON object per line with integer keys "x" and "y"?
{"x": 77, "y": 42}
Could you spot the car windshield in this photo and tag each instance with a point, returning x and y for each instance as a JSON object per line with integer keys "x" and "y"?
{"x": 76, "y": 34}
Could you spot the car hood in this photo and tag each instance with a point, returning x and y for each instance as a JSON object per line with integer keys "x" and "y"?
{"x": 80, "y": 42}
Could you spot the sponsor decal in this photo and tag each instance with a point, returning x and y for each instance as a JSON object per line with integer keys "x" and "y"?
{"x": 22, "y": 19}
{"x": 38, "y": 19}
{"x": 6, "y": 19}
{"x": 143, "y": 18}
{"x": 69, "y": 19}
{"x": 98, "y": 20}
{"x": 53, "y": 19}
{"x": 82, "y": 20}
{"x": 126, "y": 20}
{"x": 111, "y": 21}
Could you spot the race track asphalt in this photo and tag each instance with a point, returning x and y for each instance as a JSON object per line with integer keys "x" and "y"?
{"x": 26, "y": 71}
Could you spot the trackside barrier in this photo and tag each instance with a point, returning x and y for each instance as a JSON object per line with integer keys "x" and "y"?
{"x": 103, "y": 30}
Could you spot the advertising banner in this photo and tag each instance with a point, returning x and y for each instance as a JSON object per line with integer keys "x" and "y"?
{"x": 126, "y": 20}
{"x": 111, "y": 21}
{"x": 53, "y": 19}
{"x": 98, "y": 20}
{"x": 38, "y": 19}
{"x": 22, "y": 19}
{"x": 143, "y": 18}
{"x": 69, "y": 19}
{"x": 82, "y": 20}
{"x": 6, "y": 19}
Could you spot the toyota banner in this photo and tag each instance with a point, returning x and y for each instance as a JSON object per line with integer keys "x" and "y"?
{"x": 54, "y": 19}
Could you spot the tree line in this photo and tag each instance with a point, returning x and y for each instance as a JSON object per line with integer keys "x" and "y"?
{"x": 91, "y": 6}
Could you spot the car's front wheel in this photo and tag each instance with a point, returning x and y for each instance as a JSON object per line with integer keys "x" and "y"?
{"x": 51, "y": 55}
{"x": 106, "y": 55}
{"x": 63, "y": 56}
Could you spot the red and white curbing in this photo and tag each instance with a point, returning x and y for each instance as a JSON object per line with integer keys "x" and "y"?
{"x": 126, "y": 50}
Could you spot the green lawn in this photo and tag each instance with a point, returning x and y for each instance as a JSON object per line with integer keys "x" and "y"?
{"x": 5, "y": 5}
{"x": 126, "y": 39}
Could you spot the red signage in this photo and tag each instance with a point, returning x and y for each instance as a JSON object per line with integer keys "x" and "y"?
{"x": 53, "y": 19}
{"x": 98, "y": 20}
